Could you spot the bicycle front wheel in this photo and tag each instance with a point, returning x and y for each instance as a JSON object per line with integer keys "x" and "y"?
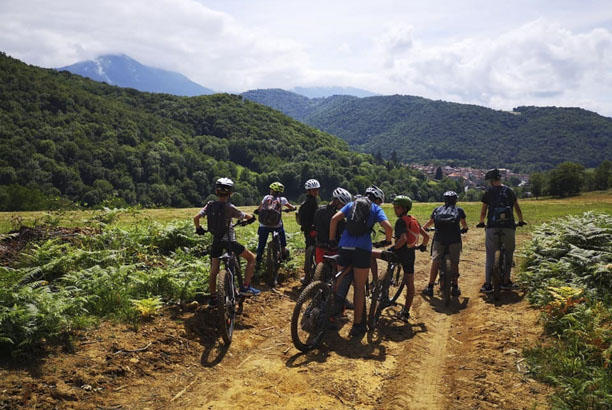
{"x": 311, "y": 316}
{"x": 226, "y": 305}
{"x": 377, "y": 302}
{"x": 310, "y": 264}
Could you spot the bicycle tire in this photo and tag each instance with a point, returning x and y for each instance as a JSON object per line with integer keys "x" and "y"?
{"x": 323, "y": 272}
{"x": 445, "y": 285}
{"x": 235, "y": 266}
{"x": 270, "y": 265}
{"x": 496, "y": 274}
{"x": 396, "y": 284}
{"x": 310, "y": 264}
{"x": 375, "y": 304}
{"x": 310, "y": 316}
{"x": 226, "y": 305}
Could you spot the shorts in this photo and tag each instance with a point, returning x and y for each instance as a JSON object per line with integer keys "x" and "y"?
{"x": 454, "y": 250}
{"x": 357, "y": 258}
{"x": 406, "y": 257}
{"x": 217, "y": 248}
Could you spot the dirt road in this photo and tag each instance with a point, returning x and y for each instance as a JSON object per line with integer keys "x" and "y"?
{"x": 465, "y": 356}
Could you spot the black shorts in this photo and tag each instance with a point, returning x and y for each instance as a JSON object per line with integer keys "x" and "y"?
{"x": 357, "y": 258}
{"x": 406, "y": 258}
{"x": 217, "y": 248}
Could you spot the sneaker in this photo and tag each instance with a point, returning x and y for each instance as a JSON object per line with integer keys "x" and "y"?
{"x": 249, "y": 291}
{"x": 404, "y": 315}
{"x": 486, "y": 288}
{"x": 358, "y": 330}
{"x": 428, "y": 291}
{"x": 509, "y": 285}
{"x": 455, "y": 291}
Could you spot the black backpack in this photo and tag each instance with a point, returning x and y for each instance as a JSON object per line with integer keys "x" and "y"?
{"x": 446, "y": 217}
{"x": 217, "y": 213}
{"x": 500, "y": 209}
{"x": 357, "y": 219}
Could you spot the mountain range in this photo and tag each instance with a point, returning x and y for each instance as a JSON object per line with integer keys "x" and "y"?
{"x": 419, "y": 130}
{"x": 124, "y": 71}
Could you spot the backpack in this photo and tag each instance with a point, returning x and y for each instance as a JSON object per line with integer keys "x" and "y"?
{"x": 446, "y": 217}
{"x": 217, "y": 217}
{"x": 413, "y": 230}
{"x": 500, "y": 209}
{"x": 301, "y": 214}
{"x": 357, "y": 219}
{"x": 270, "y": 213}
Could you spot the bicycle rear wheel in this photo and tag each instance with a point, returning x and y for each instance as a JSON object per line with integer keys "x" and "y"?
{"x": 323, "y": 272}
{"x": 377, "y": 302}
{"x": 396, "y": 284}
{"x": 226, "y": 305}
{"x": 310, "y": 264}
{"x": 497, "y": 273}
{"x": 445, "y": 280}
{"x": 311, "y": 316}
{"x": 271, "y": 264}
{"x": 235, "y": 266}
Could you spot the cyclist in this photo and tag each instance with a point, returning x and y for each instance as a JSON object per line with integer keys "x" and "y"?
{"x": 322, "y": 219}
{"x": 407, "y": 231}
{"x": 499, "y": 203}
{"x": 356, "y": 244}
{"x": 307, "y": 211}
{"x": 219, "y": 215}
{"x": 446, "y": 219}
{"x": 270, "y": 219}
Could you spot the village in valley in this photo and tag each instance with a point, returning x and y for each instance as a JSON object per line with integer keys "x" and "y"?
{"x": 472, "y": 178}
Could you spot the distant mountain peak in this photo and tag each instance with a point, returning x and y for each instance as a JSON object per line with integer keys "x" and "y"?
{"x": 123, "y": 71}
{"x": 324, "y": 92}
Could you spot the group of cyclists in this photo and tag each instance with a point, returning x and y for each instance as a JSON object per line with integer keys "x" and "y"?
{"x": 344, "y": 226}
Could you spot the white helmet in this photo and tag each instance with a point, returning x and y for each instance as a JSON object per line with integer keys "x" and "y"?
{"x": 342, "y": 195}
{"x": 375, "y": 192}
{"x": 312, "y": 184}
{"x": 224, "y": 185}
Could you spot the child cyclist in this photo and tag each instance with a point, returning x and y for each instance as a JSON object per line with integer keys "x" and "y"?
{"x": 407, "y": 232}
{"x": 306, "y": 216}
{"x": 356, "y": 244}
{"x": 219, "y": 215}
{"x": 270, "y": 218}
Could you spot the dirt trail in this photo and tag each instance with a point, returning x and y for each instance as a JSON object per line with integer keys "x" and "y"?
{"x": 463, "y": 356}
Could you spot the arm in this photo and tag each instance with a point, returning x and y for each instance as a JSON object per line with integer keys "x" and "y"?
{"x": 333, "y": 224}
{"x": 463, "y": 223}
{"x": 196, "y": 220}
{"x": 399, "y": 242}
{"x": 427, "y": 225}
{"x": 519, "y": 213}
{"x": 483, "y": 212}
{"x": 388, "y": 230}
{"x": 425, "y": 235}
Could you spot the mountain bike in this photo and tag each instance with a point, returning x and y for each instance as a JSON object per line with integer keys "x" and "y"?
{"x": 315, "y": 306}
{"x": 500, "y": 274}
{"x": 274, "y": 257}
{"x": 310, "y": 264}
{"x": 229, "y": 281}
{"x": 446, "y": 276}
{"x": 391, "y": 283}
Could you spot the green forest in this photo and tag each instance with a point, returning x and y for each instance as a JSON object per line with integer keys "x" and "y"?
{"x": 68, "y": 141}
{"x": 419, "y": 130}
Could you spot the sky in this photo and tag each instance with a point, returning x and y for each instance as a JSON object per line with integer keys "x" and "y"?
{"x": 499, "y": 54}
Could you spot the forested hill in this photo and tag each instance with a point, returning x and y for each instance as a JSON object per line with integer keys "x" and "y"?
{"x": 422, "y": 130}
{"x": 68, "y": 136}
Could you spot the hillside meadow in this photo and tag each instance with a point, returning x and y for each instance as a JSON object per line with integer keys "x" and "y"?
{"x": 535, "y": 212}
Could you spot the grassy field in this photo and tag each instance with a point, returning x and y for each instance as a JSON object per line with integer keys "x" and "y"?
{"x": 534, "y": 211}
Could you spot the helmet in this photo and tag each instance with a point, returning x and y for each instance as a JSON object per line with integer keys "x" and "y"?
{"x": 493, "y": 174}
{"x": 450, "y": 198}
{"x": 224, "y": 185}
{"x": 277, "y": 187}
{"x": 312, "y": 184}
{"x": 375, "y": 192}
{"x": 342, "y": 195}
{"x": 403, "y": 201}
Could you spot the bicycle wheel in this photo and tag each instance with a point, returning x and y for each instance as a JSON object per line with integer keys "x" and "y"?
{"x": 497, "y": 273}
{"x": 445, "y": 285}
{"x": 396, "y": 284}
{"x": 226, "y": 305}
{"x": 323, "y": 272}
{"x": 376, "y": 306}
{"x": 235, "y": 266}
{"x": 310, "y": 264}
{"x": 271, "y": 266}
{"x": 310, "y": 316}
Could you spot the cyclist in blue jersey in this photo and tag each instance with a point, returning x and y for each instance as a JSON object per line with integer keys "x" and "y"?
{"x": 356, "y": 244}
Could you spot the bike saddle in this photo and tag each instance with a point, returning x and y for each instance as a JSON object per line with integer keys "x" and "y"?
{"x": 333, "y": 258}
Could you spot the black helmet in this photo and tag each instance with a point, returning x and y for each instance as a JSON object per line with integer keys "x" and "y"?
{"x": 450, "y": 198}
{"x": 493, "y": 175}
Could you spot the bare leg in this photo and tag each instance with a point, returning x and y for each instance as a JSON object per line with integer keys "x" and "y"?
{"x": 361, "y": 275}
{"x": 409, "y": 291}
{"x": 212, "y": 279}
{"x": 250, "y": 267}
{"x": 433, "y": 273}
